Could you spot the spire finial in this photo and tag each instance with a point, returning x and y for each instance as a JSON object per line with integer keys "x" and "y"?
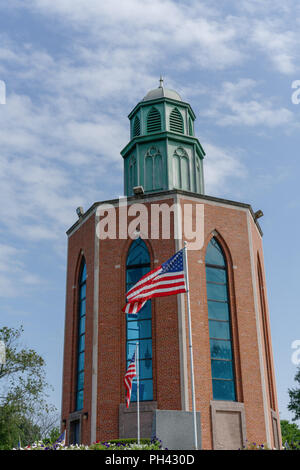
{"x": 161, "y": 82}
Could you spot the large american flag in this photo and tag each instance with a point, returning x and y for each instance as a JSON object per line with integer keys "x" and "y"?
{"x": 167, "y": 279}
{"x": 128, "y": 378}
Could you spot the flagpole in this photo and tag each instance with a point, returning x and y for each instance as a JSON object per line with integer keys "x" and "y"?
{"x": 190, "y": 343}
{"x": 138, "y": 391}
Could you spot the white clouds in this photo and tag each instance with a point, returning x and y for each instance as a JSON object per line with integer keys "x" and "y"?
{"x": 281, "y": 46}
{"x": 239, "y": 104}
{"x": 14, "y": 277}
{"x": 65, "y": 123}
{"x": 221, "y": 167}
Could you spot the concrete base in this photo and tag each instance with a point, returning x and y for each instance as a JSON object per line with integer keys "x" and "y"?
{"x": 176, "y": 429}
{"x": 228, "y": 425}
{"x": 128, "y": 419}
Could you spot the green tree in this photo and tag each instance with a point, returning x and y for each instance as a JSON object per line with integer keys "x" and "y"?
{"x": 22, "y": 387}
{"x": 294, "y": 393}
{"x": 290, "y": 433}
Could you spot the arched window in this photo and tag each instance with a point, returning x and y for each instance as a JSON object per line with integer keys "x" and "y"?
{"x": 198, "y": 174}
{"x": 181, "y": 169}
{"x": 265, "y": 334}
{"x": 153, "y": 169}
{"x": 153, "y": 121}
{"x": 190, "y": 127}
{"x": 176, "y": 121}
{"x": 81, "y": 336}
{"x": 132, "y": 174}
{"x": 223, "y": 381}
{"x": 136, "y": 127}
{"x": 139, "y": 327}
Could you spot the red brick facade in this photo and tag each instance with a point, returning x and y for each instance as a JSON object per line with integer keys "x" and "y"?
{"x": 233, "y": 225}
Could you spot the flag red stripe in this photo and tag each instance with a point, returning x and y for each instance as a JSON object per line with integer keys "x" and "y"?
{"x": 153, "y": 289}
{"x": 159, "y": 280}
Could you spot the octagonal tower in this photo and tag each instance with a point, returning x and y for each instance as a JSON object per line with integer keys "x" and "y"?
{"x": 163, "y": 152}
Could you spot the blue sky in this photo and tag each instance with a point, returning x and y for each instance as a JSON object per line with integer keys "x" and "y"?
{"x": 73, "y": 71}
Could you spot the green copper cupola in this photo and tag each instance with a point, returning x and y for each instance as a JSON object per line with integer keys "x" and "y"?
{"x": 163, "y": 152}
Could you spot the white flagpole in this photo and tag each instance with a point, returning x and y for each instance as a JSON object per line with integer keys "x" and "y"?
{"x": 190, "y": 343}
{"x": 138, "y": 390}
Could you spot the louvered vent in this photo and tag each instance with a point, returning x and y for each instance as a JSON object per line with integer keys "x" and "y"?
{"x": 136, "y": 127}
{"x": 176, "y": 121}
{"x": 153, "y": 121}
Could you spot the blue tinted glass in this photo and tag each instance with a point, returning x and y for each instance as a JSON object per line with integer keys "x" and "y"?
{"x": 81, "y": 341}
{"x": 218, "y": 310}
{"x": 132, "y": 330}
{"x": 131, "y": 347}
{"x": 82, "y": 308}
{"x": 220, "y": 349}
{"x": 80, "y": 361}
{"x": 145, "y": 312}
{"x": 139, "y": 329}
{"x": 216, "y": 291}
{"x": 134, "y": 275}
{"x": 145, "y": 369}
{"x": 83, "y": 291}
{"x": 223, "y": 390}
{"x": 214, "y": 254}
{"x": 138, "y": 326}
{"x": 221, "y": 369}
{"x": 138, "y": 253}
{"x": 83, "y": 274}
{"x": 79, "y": 400}
{"x": 216, "y": 275}
{"x": 80, "y": 381}
{"x": 82, "y": 325}
{"x": 146, "y": 390}
{"x": 145, "y": 349}
{"x": 219, "y": 329}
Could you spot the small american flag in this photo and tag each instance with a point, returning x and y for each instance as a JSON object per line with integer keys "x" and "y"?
{"x": 167, "y": 279}
{"x": 128, "y": 378}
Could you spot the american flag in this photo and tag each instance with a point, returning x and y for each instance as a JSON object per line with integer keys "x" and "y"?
{"x": 167, "y": 279}
{"x": 128, "y": 378}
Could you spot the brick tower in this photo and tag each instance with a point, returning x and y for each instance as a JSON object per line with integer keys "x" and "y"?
{"x": 116, "y": 242}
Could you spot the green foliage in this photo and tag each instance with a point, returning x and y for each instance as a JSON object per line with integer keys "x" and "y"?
{"x": 128, "y": 444}
{"x": 294, "y": 393}
{"x": 15, "y": 427}
{"x": 22, "y": 387}
{"x": 53, "y": 436}
{"x": 255, "y": 446}
{"x": 114, "y": 444}
{"x": 290, "y": 435}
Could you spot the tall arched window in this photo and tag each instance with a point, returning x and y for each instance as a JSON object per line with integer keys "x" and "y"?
{"x": 139, "y": 327}
{"x": 81, "y": 336}
{"x": 265, "y": 334}
{"x": 132, "y": 174}
{"x": 153, "y": 169}
{"x": 198, "y": 174}
{"x": 181, "y": 169}
{"x": 223, "y": 381}
{"x": 153, "y": 120}
{"x": 190, "y": 127}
